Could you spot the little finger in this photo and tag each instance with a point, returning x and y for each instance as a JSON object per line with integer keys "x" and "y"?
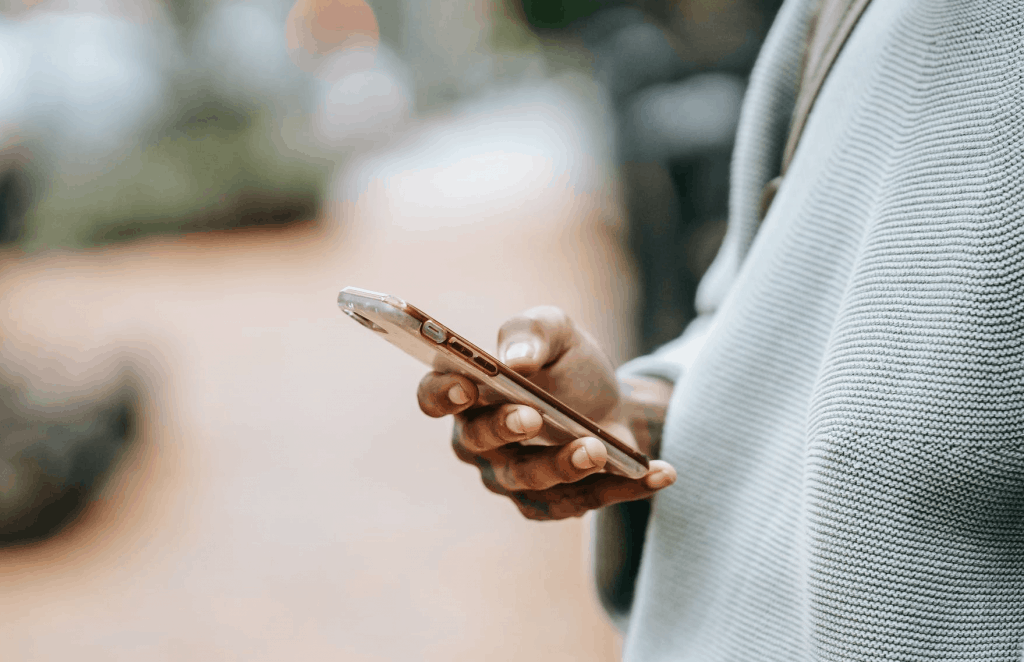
{"x": 593, "y": 492}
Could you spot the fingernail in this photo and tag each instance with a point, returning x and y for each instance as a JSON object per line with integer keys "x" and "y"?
{"x": 519, "y": 350}
{"x": 514, "y": 422}
{"x": 659, "y": 480}
{"x": 581, "y": 458}
{"x": 457, "y": 395}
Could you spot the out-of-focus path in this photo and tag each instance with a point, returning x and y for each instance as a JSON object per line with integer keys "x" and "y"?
{"x": 287, "y": 501}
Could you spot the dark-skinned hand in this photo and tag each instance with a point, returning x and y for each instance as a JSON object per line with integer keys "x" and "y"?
{"x": 546, "y": 482}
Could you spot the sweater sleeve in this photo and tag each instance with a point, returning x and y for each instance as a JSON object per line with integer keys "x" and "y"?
{"x": 671, "y": 361}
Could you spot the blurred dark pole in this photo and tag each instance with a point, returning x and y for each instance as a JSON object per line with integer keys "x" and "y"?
{"x": 669, "y": 68}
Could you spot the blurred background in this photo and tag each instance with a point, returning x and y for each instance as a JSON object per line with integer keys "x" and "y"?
{"x": 199, "y": 457}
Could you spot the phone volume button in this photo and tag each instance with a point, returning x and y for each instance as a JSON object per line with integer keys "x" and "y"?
{"x": 460, "y": 348}
{"x": 486, "y": 365}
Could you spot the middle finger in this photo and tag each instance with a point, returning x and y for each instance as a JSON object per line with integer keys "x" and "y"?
{"x": 481, "y": 431}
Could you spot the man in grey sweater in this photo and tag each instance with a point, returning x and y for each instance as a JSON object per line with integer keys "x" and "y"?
{"x": 847, "y": 413}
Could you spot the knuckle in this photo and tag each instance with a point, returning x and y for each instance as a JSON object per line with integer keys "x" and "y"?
{"x": 488, "y": 476}
{"x": 508, "y": 476}
{"x": 483, "y": 427}
{"x": 514, "y": 323}
{"x": 432, "y": 410}
{"x": 531, "y": 513}
{"x": 529, "y": 480}
{"x": 463, "y": 447}
{"x": 535, "y": 509}
{"x": 528, "y": 513}
{"x": 426, "y": 406}
{"x": 469, "y": 438}
{"x": 493, "y": 485}
{"x": 590, "y": 500}
{"x": 539, "y": 480}
{"x": 427, "y": 396}
{"x": 562, "y": 513}
{"x": 551, "y": 320}
{"x": 462, "y": 453}
{"x": 573, "y": 507}
{"x": 513, "y": 326}
{"x": 547, "y": 313}
{"x": 532, "y": 474}
{"x": 459, "y": 447}
{"x": 497, "y": 427}
{"x": 496, "y": 424}
{"x": 537, "y": 321}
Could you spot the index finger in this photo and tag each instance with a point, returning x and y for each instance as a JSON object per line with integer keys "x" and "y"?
{"x": 440, "y": 394}
{"x": 535, "y": 338}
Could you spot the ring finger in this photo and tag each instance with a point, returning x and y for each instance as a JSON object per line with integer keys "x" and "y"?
{"x": 533, "y": 468}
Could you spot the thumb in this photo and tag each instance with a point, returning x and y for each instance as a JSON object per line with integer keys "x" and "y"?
{"x": 536, "y": 338}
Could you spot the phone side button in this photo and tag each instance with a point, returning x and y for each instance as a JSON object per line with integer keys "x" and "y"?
{"x": 431, "y": 330}
{"x": 486, "y": 365}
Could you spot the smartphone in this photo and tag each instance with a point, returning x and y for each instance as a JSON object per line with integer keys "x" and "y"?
{"x": 443, "y": 350}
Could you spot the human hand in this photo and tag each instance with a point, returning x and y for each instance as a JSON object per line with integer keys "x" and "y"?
{"x": 545, "y": 482}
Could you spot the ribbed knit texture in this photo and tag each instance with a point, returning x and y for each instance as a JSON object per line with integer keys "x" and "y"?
{"x": 850, "y": 439}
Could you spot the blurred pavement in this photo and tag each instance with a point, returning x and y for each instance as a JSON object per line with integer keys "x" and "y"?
{"x": 286, "y": 499}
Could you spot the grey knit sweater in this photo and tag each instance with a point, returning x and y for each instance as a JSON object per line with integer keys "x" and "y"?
{"x": 848, "y": 417}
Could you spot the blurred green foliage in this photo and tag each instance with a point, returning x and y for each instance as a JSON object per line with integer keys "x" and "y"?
{"x": 509, "y": 31}
{"x": 218, "y": 159}
{"x": 215, "y": 167}
{"x": 556, "y": 14}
